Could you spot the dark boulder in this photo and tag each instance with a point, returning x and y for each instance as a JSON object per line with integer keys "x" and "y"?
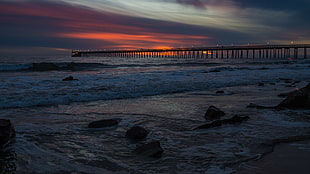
{"x": 288, "y": 81}
{"x": 7, "y": 132}
{"x": 233, "y": 120}
{"x": 137, "y": 133}
{"x": 252, "y": 105}
{"x": 152, "y": 149}
{"x": 261, "y": 84}
{"x": 214, "y": 113}
{"x": 103, "y": 123}
{"x": 70, "y": 78}
{"x": 299, "y": 99}
{"x": 285, "y": 94}
{"x": 215, "y": 70}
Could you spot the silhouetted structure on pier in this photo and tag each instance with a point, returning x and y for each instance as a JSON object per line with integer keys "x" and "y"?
{"x": 221, "y": 52}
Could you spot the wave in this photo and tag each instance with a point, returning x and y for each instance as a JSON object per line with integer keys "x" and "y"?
{"x": 32, "y": 91}
{"x": 47, "y": 66}
{"x": 73, "y": 66}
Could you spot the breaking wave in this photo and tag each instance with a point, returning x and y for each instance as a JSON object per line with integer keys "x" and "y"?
{"x": 47, "y": 66}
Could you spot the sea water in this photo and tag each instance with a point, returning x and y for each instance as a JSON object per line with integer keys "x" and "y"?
{"x": 167, "y": 96}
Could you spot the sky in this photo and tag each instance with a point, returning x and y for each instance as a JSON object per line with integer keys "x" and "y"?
{"x": 52, "y": 27}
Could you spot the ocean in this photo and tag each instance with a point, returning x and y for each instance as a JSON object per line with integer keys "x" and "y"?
{"x": 166, "y": 96}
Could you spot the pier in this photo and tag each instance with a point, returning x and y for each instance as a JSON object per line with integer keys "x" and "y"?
{"x": 292, "y": 51}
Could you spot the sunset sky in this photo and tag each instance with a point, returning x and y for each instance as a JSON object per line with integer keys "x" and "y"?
{"x": 57, "y": 26}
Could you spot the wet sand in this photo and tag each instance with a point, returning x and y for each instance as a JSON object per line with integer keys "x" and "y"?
{"x": 287, "y": 158}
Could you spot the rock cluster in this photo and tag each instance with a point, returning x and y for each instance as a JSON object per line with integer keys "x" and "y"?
{"x": 214, "y": 113}
{"x": 151, "y": 149}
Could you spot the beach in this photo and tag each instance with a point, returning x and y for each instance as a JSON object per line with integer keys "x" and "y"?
{"x": 287, "y": 158}
{"x": 169, "y": 100}
{"x": 148, "y": 87}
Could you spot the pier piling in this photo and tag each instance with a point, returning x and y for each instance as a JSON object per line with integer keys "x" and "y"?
{"x": 217, "y": 52}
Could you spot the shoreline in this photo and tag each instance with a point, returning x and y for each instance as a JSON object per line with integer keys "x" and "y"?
{"x": 286, "y": 158}
{"x": 169, "y": 118}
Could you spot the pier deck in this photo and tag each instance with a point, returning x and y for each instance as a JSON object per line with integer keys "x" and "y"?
{"x": 222, "y": 52}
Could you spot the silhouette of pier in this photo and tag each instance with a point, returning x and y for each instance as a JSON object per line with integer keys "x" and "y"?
{"x": 293, "y": 51}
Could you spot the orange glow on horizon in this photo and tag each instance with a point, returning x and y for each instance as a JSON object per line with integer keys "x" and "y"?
{"x": 94, "y": 29}
{"x": 86, "y": 24}
{"x": 144, "y": 40}
{"x": 162, "y": 47}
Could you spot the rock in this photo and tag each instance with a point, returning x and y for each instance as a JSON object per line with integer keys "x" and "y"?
{"x": 152, "y": 149}
{"x": 300, "y": 99}
{"x": 296, "y": 81}
{"x": 214, "y": 113}
{"x": 70, "y": 78}
{"x": 285, "y": 94}
{"x": 261, "y": 84}
{"x": 137, "y": 133}
{"x": 216, "y": 70}
{"x": 219, "y": 92}
{"x": 7, "y": 132}
{"x": 233, "y": 120}
{"x": 288, "y": 81}
{"x": 252, "y": 105}
{"x": 103, "y": 123}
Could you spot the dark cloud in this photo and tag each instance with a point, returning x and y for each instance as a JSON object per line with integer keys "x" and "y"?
{"x": 298, "y": 5}
{"x": 194, "y": 3}
{"x": 62, "y": 25}
{"x": 275, "y": 5}
{"x": 299, "y": 9}
{"x": 47, "y": 24}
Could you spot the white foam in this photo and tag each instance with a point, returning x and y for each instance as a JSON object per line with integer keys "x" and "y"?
{"x": 46, "y": 88}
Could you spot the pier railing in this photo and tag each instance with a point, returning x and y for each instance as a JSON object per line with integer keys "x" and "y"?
{"x": 219, "y": 52}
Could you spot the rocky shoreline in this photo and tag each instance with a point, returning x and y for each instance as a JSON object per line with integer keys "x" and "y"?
{"x": 299, "y": 99}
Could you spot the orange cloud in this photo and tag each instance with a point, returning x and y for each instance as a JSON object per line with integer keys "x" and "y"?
{"x": 94, "y": 28}
{"x": 132, "y": 40}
